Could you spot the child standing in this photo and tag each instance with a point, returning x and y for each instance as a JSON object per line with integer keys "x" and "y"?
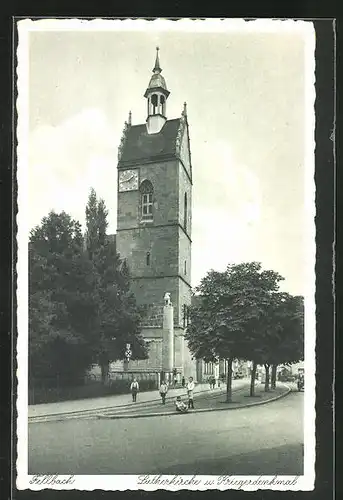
{"x": 163, "y": 392}
{"x": 134, "y": 388}
{"x": 190, "y": 389}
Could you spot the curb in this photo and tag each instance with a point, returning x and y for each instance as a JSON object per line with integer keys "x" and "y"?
{"x": 203, "y": 410}
{"x": 88, "y": 413}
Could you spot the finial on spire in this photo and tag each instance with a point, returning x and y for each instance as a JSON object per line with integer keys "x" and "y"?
{"x": 184, "y": 112}
{"x": 157, "y": 68}
{"x": 130, "y": 118}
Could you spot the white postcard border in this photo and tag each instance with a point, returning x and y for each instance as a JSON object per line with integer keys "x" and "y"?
{"x": 129, "y": 482}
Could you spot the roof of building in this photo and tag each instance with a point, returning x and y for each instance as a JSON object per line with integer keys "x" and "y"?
{"x": 139, "y": 145}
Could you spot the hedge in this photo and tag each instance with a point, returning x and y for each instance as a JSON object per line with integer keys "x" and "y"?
{"x": 92, "y": 390}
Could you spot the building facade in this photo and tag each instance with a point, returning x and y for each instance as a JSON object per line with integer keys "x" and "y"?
{"x": 154, "y": 220}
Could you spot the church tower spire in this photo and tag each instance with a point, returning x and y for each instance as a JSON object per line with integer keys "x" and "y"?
{"x": 156, "y": 95}
{"x": 157, "y": 67}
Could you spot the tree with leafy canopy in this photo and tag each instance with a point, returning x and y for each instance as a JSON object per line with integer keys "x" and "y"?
{"x": 265, "y": 336}
{"x": 229, "y": 318}
{"x": 119, "y": 318}
{"x": 260, "y": 297}
{"x": 287, "y": 321}
{"x": 60, "y": 301}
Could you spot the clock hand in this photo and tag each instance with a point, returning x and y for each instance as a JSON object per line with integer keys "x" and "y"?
{"x": 127, "y": 180}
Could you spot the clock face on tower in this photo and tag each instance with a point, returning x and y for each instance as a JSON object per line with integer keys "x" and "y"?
{"x": 128, "y": 180}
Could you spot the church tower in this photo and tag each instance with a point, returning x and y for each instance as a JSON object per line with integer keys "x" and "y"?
{"x": 154, "y": 219}
{"x": 156, "y": 95}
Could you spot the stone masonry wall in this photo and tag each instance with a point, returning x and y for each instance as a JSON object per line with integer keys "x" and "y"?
{"x": 151, "y": 291}
{"x": 185, "y": 152}
{"x": 169, "y": 248}
{"x": 185, "y": 294}
{"x": 185, "y": 187}
{"x": 179, "y": 346}
{"x": 153, "y": 316}
{"x": 160, "y": 242}
{"x": 185, "y": 257}
{"x": 154, "y": 362}
{"x": 164, "y": 178}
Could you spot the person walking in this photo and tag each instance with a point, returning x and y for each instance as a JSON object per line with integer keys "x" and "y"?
{"x": 183, "y": 381}
{"x": 190, "y": 391}
{"x": 163, "y": 391}
{"x": 134, "y": 388}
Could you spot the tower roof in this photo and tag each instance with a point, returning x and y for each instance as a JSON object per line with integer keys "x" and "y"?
{"x": 157, "y": 81}
{"x": 140, "y": 145}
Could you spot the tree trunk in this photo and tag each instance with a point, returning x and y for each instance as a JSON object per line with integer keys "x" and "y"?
{"x": 273, "y": 377}
{"x": 105, "y": 367}
{"x": 252, "y": 379}
{"x": 229, "y": 381}
{"x": 266, "y": 384}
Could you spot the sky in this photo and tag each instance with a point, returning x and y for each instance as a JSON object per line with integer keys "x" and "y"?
{"x": 245, "y": 94}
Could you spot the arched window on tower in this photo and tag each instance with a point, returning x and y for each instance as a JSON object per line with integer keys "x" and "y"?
{"x": 186, "y": 316}
{"x": 148, "y": 259}
{"x": 163, "y": 105}
{"x": 185, "y": 212}
{"x": 147, "y": 193}
{"x": 154, "y": 103}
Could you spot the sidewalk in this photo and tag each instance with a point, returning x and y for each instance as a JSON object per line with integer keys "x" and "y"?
{"x": 115, "y": 401}
{"x": 205, "y": 402}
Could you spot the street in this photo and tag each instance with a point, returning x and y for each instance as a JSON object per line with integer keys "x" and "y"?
{"x": 261, "y": 440}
